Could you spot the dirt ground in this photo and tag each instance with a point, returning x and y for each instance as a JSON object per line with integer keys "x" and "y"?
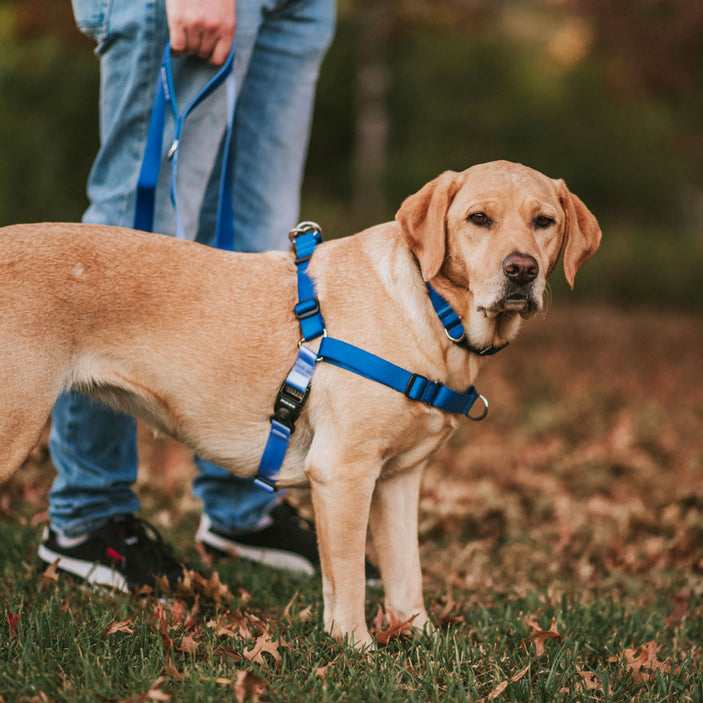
{"x": 587, "y": 473}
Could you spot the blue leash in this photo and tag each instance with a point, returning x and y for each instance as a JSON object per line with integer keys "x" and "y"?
{"x": 165, "y": 96}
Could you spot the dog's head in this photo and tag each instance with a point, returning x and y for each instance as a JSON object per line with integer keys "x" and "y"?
{"x": 489, "y": 236}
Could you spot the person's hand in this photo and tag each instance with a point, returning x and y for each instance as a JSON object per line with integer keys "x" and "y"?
{"x": 203, "y": 28}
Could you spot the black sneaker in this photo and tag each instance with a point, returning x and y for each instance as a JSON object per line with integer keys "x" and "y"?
{"x": 288, "y": 543}
{"x": 126, "y": 553}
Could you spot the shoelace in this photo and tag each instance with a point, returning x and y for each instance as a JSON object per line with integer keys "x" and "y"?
{"x": 144, "y": 546}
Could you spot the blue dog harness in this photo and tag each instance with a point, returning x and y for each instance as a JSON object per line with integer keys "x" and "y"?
{"x": 294, "y": 392}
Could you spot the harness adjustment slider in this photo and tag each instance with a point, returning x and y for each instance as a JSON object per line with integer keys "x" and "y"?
{"x": 307, "y": 308}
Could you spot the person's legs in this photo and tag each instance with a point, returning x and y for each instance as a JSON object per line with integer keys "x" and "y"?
{"x": 95, "y": 454}
{"x": 93, "y": 447}
{"x": 281, "y": 51}
{"x": 92, "y": 532}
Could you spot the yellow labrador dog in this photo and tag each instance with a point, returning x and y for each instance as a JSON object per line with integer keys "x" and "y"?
{"x": 197, "y": 342}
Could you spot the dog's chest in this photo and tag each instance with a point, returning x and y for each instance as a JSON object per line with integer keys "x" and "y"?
{"x": 415, "y": 445}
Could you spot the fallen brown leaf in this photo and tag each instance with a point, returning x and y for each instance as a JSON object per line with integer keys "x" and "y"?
{"x": 394, "y": 629}
{"x": 119, "y": 626}
{"x": 540, "y": 636}
{"x": 590, "y": 680}
{"x": 497, "y": 690}
{"x": 504, "y": 684}
{"x": 50, "y": 576}
{"x": 642, "y": 661}
{"x": 170, "y": 669}
{"x": 188, "y": 644}
{"x": 321, "y": 671}
{"x": 231, "y": 625}
{"x": 303, "y": 615}
{"x": 264, "y": 644}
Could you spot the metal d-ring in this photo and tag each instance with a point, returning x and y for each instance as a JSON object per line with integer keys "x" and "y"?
{"x": 303, "y": 340}
{"x": 304, "y": 227}
{"x": 478, "y": 418}
{"x": 455, "y": 339}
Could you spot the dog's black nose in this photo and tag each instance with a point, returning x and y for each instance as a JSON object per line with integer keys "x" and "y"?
{"x": 520, "y": 268}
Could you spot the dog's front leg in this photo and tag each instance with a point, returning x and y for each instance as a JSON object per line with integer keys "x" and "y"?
{"x": 393, "y": 521}
{"x": 341, "y": 505}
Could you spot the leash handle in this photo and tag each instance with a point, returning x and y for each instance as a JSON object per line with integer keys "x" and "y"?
{"x": 165, "y": 97}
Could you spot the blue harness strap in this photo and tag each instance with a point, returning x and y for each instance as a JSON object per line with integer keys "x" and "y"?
{"x": 151, "y": 164}
{"x": 412, "y": 385}
{"x": 453, "y": 326}
{"x": 295, "y": 389}
{"x": 289, "y": 404}
{"x": 305, "y": 237}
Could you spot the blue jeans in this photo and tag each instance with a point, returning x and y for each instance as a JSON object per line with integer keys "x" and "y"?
{"x": 280, "y": 46}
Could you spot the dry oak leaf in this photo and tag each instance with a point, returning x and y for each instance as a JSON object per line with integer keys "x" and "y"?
{"x": 590, "y": 680}
{"x": 232, "y": 625}
{"x": 504, "y": 684}
{"x": 249, "y": 686}
{"x": 264, "y": 643}
{"x": 394, "y": 629}
{"x": 170, "y": 669}
{"x": 188, "y": 644}
{"x": 540, "y": 636}
{"x": 321, "y": 671}
{"x": 642, "y": 661}
{"x": 119, "y": 626}
{"x": 303, "y": 615}
{"x": 50, "y": 576}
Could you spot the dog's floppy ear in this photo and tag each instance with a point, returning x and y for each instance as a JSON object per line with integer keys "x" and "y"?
{"x": 423, "y": 220}
{"x": 582, "y": 234}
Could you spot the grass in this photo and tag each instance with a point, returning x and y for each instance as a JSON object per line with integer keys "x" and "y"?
{"x": 562, "y": 545}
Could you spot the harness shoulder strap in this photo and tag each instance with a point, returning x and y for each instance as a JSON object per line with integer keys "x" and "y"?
{"x": 412, "y": 385}
{"x": 294, "y": 392}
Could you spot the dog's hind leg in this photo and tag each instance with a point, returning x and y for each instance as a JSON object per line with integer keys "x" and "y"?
{"x": 25, "y": 406}
{"x": 20, "y": 431}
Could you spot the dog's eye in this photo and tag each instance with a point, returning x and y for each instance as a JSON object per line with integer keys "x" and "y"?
{"x": 480, "y": 219}
{"x": 543, "y": 221}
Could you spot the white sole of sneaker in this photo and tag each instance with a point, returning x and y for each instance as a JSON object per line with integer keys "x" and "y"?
{"x": 96, "y": 574}
{"x": 275, "y": 558}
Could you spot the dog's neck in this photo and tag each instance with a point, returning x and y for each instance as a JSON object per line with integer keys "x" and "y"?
{"x": 483, "y": 336}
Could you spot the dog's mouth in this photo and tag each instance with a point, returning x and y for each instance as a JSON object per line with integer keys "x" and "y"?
{"x": 518, "y": 302}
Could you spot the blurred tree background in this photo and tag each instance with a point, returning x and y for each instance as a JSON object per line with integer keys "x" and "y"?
{"x": 607, "y": 95}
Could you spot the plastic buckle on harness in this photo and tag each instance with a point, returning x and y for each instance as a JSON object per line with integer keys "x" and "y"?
{"x": 289, "y": 404}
